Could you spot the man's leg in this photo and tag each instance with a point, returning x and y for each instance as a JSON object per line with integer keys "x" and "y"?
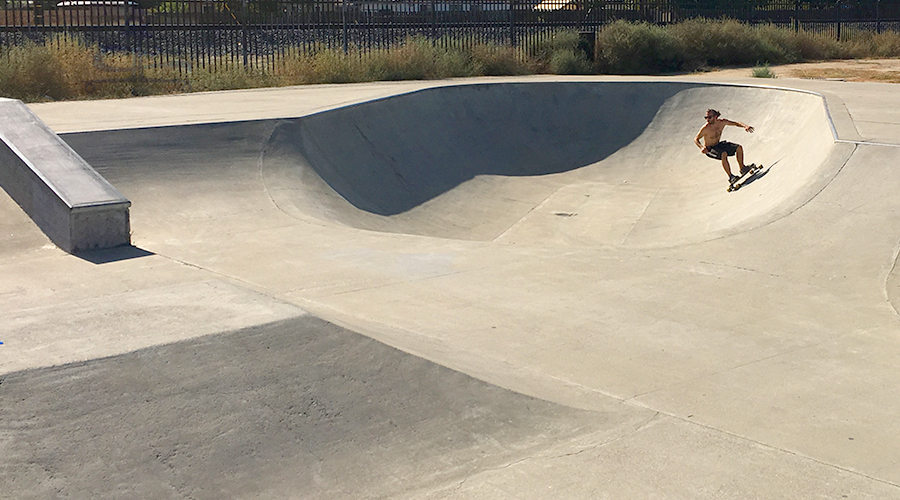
{"x": 740, "y": 158}
{"x": 725, "y": 164}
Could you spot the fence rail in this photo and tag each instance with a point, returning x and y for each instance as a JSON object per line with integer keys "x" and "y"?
{"x": 194, "y": 33}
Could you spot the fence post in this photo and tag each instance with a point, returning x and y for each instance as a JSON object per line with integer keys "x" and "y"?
{"x": 838, "y": 20}
{"x": 433, "y": 8}
{"x": 512, "y": 23}
{"x": 796, "y": 16}
{"x": 344, "y": 37}
{"x": 244, "y": 35}
{"x": 129, "y": 32}
{"x": 38, "y": 8}
{"x": 878, "y": 16}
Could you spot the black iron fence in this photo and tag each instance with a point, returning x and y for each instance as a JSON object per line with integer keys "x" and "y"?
{"x": 254, "y": 33}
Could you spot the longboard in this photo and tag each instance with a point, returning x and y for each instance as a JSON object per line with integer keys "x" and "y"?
{"x": 734, "y": 186}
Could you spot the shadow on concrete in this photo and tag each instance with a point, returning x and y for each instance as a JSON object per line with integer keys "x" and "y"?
{"x": 298, "y": 408}
{"x": 116, "y": 254}
{"x": 757, "y": 176}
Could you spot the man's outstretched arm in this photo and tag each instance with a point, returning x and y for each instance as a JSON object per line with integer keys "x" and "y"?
{"x": 748, "y": 128}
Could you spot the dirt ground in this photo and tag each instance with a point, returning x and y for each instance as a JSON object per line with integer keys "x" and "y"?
{"x": 853, "y": 70}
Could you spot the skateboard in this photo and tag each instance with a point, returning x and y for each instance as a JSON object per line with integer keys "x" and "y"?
{"x": 734, "y": 186}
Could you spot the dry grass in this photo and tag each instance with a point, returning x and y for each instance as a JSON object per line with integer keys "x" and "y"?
{"x": 67, "y": 68}
{"x": 856, "y": 70}
{"x": 695, "y": 44}
{"x": 849, "y": 74}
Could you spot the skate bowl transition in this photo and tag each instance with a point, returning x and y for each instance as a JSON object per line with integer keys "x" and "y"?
{"x": 514, "y": 288}
{"x": 501, "y": 162}
{"x": 569, "y": 163}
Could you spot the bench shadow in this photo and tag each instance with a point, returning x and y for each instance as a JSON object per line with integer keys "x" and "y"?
{"x": 116, "y": 254}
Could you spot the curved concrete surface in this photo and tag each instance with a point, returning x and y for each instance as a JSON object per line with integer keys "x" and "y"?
{"x": 500, "y": 160}
{"x": 607, "y": 313}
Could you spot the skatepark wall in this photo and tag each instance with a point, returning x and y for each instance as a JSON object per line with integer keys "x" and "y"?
{"x": 590, "y": 163}
{"x": 71, "y": 203}
{"x": 573, "y": 163}
{"x": 461, "y": 162}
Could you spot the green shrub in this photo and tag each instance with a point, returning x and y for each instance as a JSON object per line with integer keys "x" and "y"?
{"x": 560, "y": 53}
{"x": 544, "y": 47}
{"x": 705, "y": 42}
{"x": 453, "y": 62}
{"x": 816, "y": 47}
{"x": 414, "y": 59}
{"x": 29, "y": 73}
{"x": 639, "y": 48}
{"x": 57, "y": 69}
{"x": 636, "y": 48}
{"x": 496, "y": 60}
{"x": 868, "y": 44}
{"x": 67, "y": 68}
{"x": 323, "y": 66}
{"x": 572, "y": 62}
{"x": 783, "y": 44}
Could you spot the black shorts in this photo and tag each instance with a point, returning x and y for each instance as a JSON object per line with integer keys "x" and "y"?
{"x": 715, "y": 151}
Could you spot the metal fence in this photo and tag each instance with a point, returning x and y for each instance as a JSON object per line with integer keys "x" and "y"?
{"x": 191, "y": 33}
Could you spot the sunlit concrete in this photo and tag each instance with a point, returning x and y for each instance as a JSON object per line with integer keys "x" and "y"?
{"x": 572, "y": 304}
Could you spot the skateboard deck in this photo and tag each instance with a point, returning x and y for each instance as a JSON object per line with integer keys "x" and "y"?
{"x": 734, "y": 186}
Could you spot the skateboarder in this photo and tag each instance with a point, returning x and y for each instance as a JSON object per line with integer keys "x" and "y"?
{"x": 717, "y": 149}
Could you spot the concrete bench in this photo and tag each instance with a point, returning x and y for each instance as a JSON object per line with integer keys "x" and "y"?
{"x": 73, "y": 204}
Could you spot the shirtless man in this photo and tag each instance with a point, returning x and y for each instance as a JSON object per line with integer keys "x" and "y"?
{"x": 717, "y": 149}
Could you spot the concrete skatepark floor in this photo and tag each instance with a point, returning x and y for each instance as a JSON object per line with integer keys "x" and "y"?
{"x": 490, "y": 288}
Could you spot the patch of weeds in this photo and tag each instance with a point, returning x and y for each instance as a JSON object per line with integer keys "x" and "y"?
{"x": 763, "y": 71}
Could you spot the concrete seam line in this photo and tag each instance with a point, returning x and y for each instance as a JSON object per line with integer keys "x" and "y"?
{"x": 887, "y": 279}
{"x": 868, "y": 143}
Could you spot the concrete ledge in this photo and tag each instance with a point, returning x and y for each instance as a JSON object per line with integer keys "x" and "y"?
{"x": 73, "y": 204}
